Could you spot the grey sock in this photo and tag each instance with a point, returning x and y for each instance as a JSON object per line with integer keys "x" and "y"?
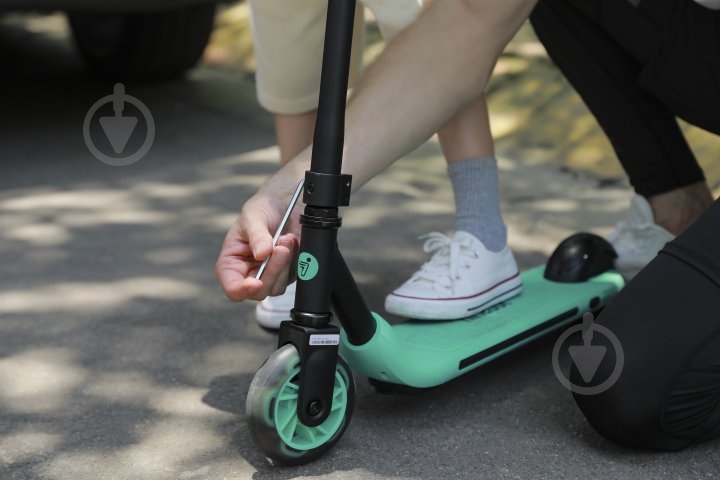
{"x": 477, "y": 201}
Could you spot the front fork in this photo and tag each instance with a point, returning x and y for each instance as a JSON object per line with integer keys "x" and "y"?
{"x": 323, "y": 279}
{"x": 310, "y": 330}
{"x": 318, "y": 350}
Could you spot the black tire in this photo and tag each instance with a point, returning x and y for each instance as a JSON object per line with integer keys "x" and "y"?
{"x": 142, "y": 46}
{"x": 268, "y": 397}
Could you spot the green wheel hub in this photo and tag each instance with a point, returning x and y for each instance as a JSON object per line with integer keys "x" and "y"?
{"x": 271, "y": 409}
{"x": 291, "y": 430}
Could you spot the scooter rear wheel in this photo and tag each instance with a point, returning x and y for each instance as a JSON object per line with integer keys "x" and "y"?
{"x": 271, "y": 409}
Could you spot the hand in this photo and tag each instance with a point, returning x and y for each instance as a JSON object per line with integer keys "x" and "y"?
{"x": 249, "y": 242}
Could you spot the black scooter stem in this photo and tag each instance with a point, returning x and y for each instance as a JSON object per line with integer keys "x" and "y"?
{"x": 330, "y": 125}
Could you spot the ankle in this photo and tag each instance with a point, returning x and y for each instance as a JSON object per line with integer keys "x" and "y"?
{"x": 492, "y": 234}
{"x": 678, "y": 209}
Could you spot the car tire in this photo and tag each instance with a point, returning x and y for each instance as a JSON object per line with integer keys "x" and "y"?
{"x": 142, "y": 46}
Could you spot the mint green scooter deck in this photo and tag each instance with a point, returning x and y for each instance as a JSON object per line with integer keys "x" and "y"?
{"x": 425, "y": 354}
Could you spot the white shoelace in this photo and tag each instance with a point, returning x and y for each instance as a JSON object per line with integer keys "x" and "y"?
{"x": 443, "y": 267}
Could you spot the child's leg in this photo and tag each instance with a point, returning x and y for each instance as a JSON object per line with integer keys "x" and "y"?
{"x": 294, "y": 133}
{"x": 474, "y": 269}
{"x": 468, "y": 147}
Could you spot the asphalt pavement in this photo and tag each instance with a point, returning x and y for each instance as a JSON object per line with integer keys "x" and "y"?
{"x": 120, "y": 358}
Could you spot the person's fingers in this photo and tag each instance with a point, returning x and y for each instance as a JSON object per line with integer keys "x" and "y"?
{"x": 233, "y": 246}
{"x": 276, "y": 273}
{"x": 274, "y": 279}
{"x": 282, "y": 256}
{"x": 295, "y": 249}
{"x": 255, "y": 227}
{"x": 235, "y": 283}
{"x": 289, "y": 242}
{"x": 247, "y": 245}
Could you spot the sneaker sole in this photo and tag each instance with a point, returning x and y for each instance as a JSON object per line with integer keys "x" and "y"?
{"x": 453, "y": 309}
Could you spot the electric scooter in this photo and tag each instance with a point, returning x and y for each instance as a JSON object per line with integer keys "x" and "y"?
{"x": 301, "y": 399}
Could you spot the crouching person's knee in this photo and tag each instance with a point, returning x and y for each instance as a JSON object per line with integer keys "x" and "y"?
{"x": 647, "y": 407}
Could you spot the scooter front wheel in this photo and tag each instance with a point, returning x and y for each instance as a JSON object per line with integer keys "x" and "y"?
{"x": 271, "y": 409}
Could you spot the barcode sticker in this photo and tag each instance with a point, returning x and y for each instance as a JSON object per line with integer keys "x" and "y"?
{"x": 320, "y": 340}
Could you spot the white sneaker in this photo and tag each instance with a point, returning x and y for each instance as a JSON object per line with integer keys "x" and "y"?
{"x": 273, "y": 310}
{"x": 461, "y": 279}
{"x": 637, "y": 240}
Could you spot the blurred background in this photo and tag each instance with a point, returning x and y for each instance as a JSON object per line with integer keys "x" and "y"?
{"x": 536, "y": 116}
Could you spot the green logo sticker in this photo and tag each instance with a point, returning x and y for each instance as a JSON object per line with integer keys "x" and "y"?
{"x": 307, "y": 266}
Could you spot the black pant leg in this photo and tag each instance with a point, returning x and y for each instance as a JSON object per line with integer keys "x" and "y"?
{"x": 678, "y": 44}
{"x": 643, "y": 132}
{"x": 667, "y": 320}
{"x": 685, "y": 71}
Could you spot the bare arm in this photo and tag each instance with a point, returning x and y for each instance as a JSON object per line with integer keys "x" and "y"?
{"x": 430, "y": 71}
{"x": 434, "y": 68}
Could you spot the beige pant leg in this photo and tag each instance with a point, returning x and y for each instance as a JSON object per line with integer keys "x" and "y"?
{"x": 288, "y": 40}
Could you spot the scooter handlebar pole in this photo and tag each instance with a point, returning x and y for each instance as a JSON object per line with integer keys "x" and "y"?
{"x": 330, "y": 126}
